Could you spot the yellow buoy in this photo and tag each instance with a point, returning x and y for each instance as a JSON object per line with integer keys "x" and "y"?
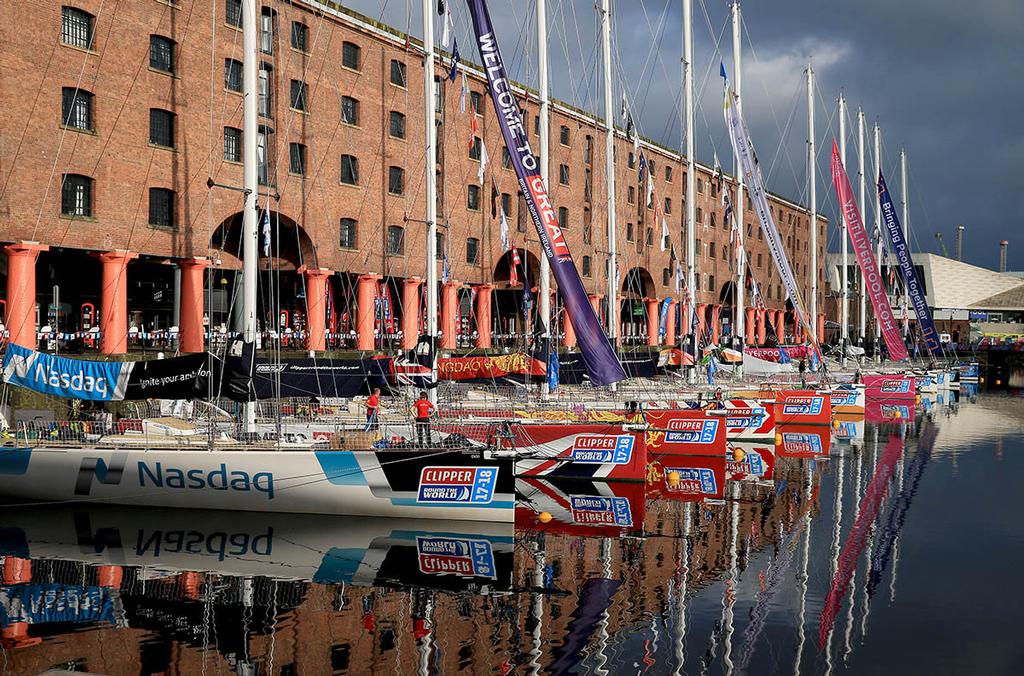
{"x": 778, "y": 439}
{"x": 738, "y": 455}
{"x": 981, "y": 380}
{"x": 917, "y": 398}
{"x": 835, "y": 424}
{"x": 544, "y": 517}
{"x": 896, "y": 414}
{"x": 998, "y": 381}
{"x": 673, "y": 478}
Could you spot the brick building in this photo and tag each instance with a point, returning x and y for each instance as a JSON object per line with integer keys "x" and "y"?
{"x": 118, "y": 119}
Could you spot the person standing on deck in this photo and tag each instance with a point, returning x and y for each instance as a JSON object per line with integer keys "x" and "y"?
{"x": 422, "y": 410}
{"x": 373, "y": 410}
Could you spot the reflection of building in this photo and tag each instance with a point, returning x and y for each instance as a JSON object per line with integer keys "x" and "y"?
{"x": 129, "y": 235}
{"x": 963, "y": 298}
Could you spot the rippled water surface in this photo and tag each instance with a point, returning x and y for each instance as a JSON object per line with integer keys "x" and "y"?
{"x": 897, "y": 551}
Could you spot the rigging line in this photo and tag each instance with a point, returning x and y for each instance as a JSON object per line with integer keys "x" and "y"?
{"x": 784, "y": 135}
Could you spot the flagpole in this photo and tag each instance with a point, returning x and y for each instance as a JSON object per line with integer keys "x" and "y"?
{"x": 811, "y": 175}
{"x": 860, "y": 175}
{"x": 691, "y": 170}
{"x": 430, "y": 155}
{"x": 878, "y": 233}
{"x": 844, "y": 309}
{"x": 544, "y": 303}
{"x": 609, "y": 125}
{"x": 737, "y": 208}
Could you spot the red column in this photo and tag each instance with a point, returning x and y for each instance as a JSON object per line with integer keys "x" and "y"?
{"x": 798, "y": 330}
{"x": 21, "y": 291}
{"x": 109, "y": 576}
{"x": 449, "y": 312}
{"x": 191, "y": 330}
{"x": 780, "y": 325}
{"x": 366, "y": 292}
{"x": 750, "y": 326}
{"x": 652, "y": 321}
{"x": 410, "y": 312}
{"x": 821, "y": 327}
{"x": 670, "y": 325}
{"x": 762, "y": 328}
{"x": 701, "y": 322}
{"x": 316, "y": 307}
{"x": 114, "y": 301}
{"x": 595, "y": 302}
{"x": 716, "y": 315}
{"x": 483, "y": 315}
{"x": 568, "y": 333}
{"x": 17, "y": 570}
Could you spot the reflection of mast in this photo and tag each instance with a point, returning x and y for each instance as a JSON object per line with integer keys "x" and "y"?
{"x": 871, "y": 538}
{"x": 680, "y": 595}
{"x": 808, "y": 480}
{"x": 836, "y": 531}
{"x": 602, "y": 624}
{"x": 537, "y": 606}
{"x": 896, "y": 539}
{"x": 730, "y": 583}
{"x": 425, "y": 643}
{"x": 847, "y": 648}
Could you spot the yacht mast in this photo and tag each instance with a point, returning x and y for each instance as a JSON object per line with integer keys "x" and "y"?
{"x": 878, "y": 231}
{"x": 844, "y": 310}
{"x": 250, "y": 187}
{"x": 691, "y": 169}
{"x": 739, "y": 322}
{"x": 430, "y": 162}
{"x": 609, "y": 163}
{"x": 862, "y": 325}
{"x": 812, "y": 176}
{"x": 904, "y": 214}
{"x": 544, "y": 303}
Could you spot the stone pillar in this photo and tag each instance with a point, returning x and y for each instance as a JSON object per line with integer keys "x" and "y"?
{"x": 17, "y": 570}
{"x": 701, "y": 322}
{"x": 750, "y": 326}
{"x": 762, "y": 327}
{"x": 366, "y": 293}
{"x": 568, "y": 332}
{"x": 109, "y": 576}
{"x": 716, "y": 328}
{"x": 114, "y": 301}
{"x": 652, "y": 321}
{"x": 670, "y": 324}
{"x": 483, "y": 315}
{"x": 821, "y": 327}
{"x": 411, "y": 312}
{"x": 316, "y": 307}
{"x": 780, "y": 326}
{"x": 449, "y": 314}
{"x": 191, "y": 332}
{"x": 21, "y": 292}
{"x": 798, "y": 330}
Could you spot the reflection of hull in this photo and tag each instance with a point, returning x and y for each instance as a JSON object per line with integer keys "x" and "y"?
{"x": 886, "y": 387}
{"x": 848, "y": 400}
{"x": 685, "y": 432}
{"x": 580, "y": 508}
{"x": 437, "y": 485}
{"x": 364, "y": 551}
{"x": 802, "y": 441}
{"x": 747, "y": 419}
{"x": 758, "y": 461}
{"x": 896, "y": 410}
{"x": 849, "y": 429}
{"x": 699, "y": 478}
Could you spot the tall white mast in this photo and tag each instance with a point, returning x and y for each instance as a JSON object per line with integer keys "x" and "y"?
{"x": 906, "y": 227}
{"x": 544, "y": 304}
{"x": 737, "y": 208}
{"x": 430, "y": 159}
{"x": 250, "y": 185}
{"x": 691, "y": 170}
{"x": 863, "y": 320}
{"x": 812, "y": 176}
{"x": 844, "y": 310}
{"x": 878, "y": 229}
{"x": 609, "y": 151}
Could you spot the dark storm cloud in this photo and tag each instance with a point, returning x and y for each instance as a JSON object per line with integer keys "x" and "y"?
{"x": 941, "y": 78}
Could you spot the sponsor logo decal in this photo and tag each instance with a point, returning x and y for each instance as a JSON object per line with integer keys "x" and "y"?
{"x": 457, "y": 485}
{"x": 694, "y": 481}
{"x": 455, "y": 556}
{"x": 752, "y": 464}
{"x": 891, "y": 410}
{"x": 797, "y": 442}
{"x": 802, "y": 406}
{"x": 692, "y": 431}
{"x": 594, "y": 510}
{"x": 599, "y": 449}
{"x": 746, "y": 417}
{"x": 899, "y": 386}
{"x": 221, "y": 479}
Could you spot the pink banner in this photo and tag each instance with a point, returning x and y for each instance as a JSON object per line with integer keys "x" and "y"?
{"x": 862, "y": 249}
{"x": 796, "y": 352}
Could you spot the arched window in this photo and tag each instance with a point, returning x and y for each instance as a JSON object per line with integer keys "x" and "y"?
{"x": 76, "y": 108}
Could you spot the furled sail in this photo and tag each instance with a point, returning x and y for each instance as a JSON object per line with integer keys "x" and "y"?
{"x": 602, "y": 364}
{"x": 898, "y": 243}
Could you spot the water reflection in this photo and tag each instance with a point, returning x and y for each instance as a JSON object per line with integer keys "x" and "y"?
{"x": 820, "y": 554}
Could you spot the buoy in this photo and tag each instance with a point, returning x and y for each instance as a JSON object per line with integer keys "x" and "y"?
{"x": 998, "y": 382}
{"x": 897, "y": 414}
{"x": 738, "y": 455}
{"x": 778, "y": 439}
{"x": 544, "y": 517}
{"x": 835, "y": 424}
{"x": 673, "y": 478}
{"x": 917, "y": 398}
{"x": 981, "y": 380}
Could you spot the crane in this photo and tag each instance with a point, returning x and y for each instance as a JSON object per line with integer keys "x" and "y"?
{"x": 945, "y": 251}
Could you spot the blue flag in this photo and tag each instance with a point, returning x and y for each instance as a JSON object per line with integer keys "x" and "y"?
{"x": 454, "y": 73}
{"x": 63, "y": 377}
{"x": 721, "y": 71}
{"x": 553, "y": 371}
{"x": 784, "y": 356}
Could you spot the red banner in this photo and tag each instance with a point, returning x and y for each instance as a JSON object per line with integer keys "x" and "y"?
{"x": 866, "y": 258}
{"x": 795, "y": 352}
{"x": 471, "y": 368}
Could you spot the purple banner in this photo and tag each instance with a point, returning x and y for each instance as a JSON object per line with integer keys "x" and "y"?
{"x": 599, "y": 358}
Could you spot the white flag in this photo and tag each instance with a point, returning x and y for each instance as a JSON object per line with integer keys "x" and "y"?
{"x": 679, "y": 277}
{"x": 446, "y": 34}
{"x": 265, "y": 230}
{"x": 463, "y": 92}
{"x": 483, "y": 162}
{"x": 650, "y": 189}
{"x": 664, "y": 234}
{"x": 506, "y": 244}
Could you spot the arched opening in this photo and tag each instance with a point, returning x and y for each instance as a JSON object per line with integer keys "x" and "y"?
{"x": 637, "y": 285}
{"x": 514, "y": 303}
{"x": 727, "y": 317}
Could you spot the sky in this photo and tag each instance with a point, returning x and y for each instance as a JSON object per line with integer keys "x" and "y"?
{"x": 942, "y": 79}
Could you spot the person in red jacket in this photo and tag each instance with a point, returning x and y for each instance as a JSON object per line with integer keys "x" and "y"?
{"x": 422, "y": 410}
{"x": 373, "y": 410}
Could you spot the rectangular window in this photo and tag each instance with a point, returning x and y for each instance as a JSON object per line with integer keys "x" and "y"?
{"x": 506, "y": 204}
{"x": 350, "y": 169}
{"x": 587, "y": 266}
{"x": 350, "y": 55}
{"x": 233, "y": 75}
{"x": 397, "y": 73}
{"x": 76, "y": 27}
{"x": 300, "y": 36}
{"x": 700, "y": 216}
{"x": 474, "y": 149}
{"x": 588, "y": 150}
{"x": 632, "y": 160}
{"x": 631, "y": 195}
{"x": 665, "y": 276}
{"x": 506, "y": 158}
{"x": 668, "y": 205}
{"x": 262, "y": 158}
{"x": 76, "y": 195}
{"x": 472, "y": 250}
{"x": 473, "y": 198}
{"x": 299, "y": 96}
{"x": 267, "y": 31}
{"x": 536, "y": 125}
{"x": 232, "y": 144}
{"x": 76, "y": 108}
{"x": 711, "y": 249}
{"x": 711, "y": 282}
{"x": 297, "y": 159}
{"x": 161, "y": 207}
{"x": 396, "y": 124}
{"x": 563, "y": 174}
{"x": 161, "y": 53}
{"x": 396, "y": 240}
{"x": 233, "y": 13}
{"x": 758, "y": 260}
{"x": 650, "y": 236}
{"x": 700, "y": 185}
{"x": 350, "y": 111}
{"x": 396, "y": 180}
{"x": 563, "y": 135}
{"x": 161, "y": 128}
{"x": 563, "y": 218}
{"x": 347, "y": 233}
{"x": 522, "y": 213}
{"x": 476, "y": 102}
{"x": 263, "y": 97}
{"x": 668, "y": 174}
{"x": 629, "y": 232}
